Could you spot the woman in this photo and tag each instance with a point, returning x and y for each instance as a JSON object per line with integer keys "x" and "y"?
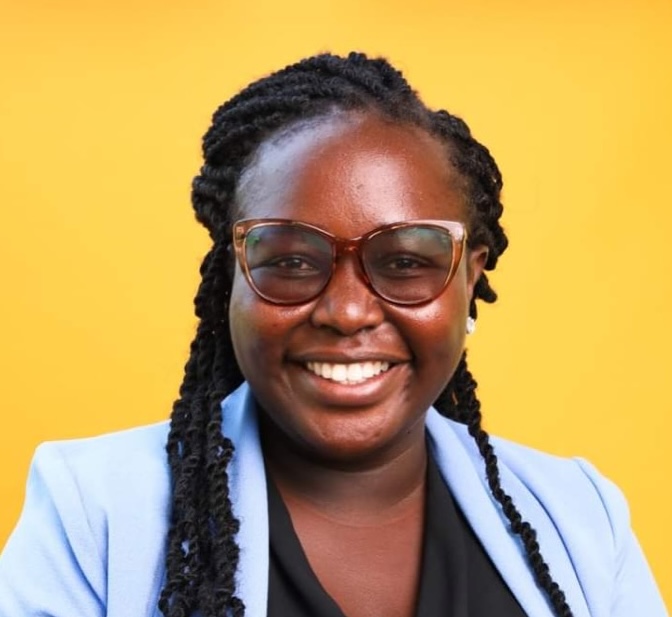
{"x": 326, "y": 455}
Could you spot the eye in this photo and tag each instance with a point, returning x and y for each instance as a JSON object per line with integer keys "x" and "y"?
{"x": 401, "y": 265}
{"x": 404, "y": 262}
{"x": 289, "y": 266}
{"x": 291, "y": 262}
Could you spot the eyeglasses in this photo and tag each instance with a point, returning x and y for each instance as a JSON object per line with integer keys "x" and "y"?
{"x": 289, "y": 262}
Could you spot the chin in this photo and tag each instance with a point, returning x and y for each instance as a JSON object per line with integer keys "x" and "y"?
{"x": 354, "y": 443}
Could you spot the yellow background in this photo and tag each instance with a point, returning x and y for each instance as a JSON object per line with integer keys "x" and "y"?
{"x": 102, "y": 106}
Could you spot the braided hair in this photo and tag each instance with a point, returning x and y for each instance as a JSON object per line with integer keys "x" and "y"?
{"x": 202, "y": 554}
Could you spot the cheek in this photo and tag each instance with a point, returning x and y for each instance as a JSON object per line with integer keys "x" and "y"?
{"x": 441, "y": 330}
{"x": 259, "y": 330}
{"x": 437, "y": 331}
{"x": 250, "y": 331}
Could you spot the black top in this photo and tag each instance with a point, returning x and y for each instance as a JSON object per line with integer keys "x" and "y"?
{"x": 457, "y": 579}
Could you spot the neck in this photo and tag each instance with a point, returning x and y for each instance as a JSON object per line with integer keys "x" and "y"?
{"x": 374, "y": 489}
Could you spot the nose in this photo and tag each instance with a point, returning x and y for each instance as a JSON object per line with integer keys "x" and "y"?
{"x": 347, "y": 305}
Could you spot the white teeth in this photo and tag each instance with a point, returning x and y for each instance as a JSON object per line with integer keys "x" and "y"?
{"x": 356, "y": 372}
{"x": 369, "y": 369}
{"x": 339, "y": 372}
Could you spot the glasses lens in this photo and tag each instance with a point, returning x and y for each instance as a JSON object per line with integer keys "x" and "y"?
{"x": 287, "y": 263}
{"x": 409, "y": 264}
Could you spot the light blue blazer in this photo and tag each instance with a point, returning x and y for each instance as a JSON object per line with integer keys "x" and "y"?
{"x": 90, "y": 540}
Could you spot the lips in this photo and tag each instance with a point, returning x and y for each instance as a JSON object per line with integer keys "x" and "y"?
{"x": 348, "y": 373}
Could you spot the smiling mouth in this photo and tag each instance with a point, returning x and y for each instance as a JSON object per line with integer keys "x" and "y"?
{"x": 355, "y": 372}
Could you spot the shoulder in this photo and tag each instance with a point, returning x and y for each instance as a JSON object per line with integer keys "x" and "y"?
{"x": 587, "y": 509}
{"x": 109, "y": 474}
{"x": 547, "y": 476}
{"x": 562, "y": 497}
{"x": 111, "y": 455}
{"x": 142, "y": 444}
{"x": 92, "y": 529}
{"x": 571, "y": 482}
{"x": 581, "y": 519}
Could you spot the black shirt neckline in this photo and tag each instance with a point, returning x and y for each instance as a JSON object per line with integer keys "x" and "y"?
{"x": 457, "y": 577}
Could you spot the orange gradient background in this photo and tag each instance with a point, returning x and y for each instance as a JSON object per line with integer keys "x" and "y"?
{"x": 102, "y": 107}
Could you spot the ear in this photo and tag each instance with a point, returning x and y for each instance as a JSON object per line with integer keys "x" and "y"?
{"x": 476, "y": 260}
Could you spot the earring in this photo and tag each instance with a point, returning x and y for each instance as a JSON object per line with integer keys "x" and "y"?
{"x": 471, "y": 325}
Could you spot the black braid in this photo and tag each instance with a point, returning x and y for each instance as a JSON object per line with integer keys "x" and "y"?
{"x": 461, "y": 401}
{"x": 202, "y": 554}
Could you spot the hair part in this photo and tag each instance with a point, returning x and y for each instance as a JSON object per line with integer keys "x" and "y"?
{"x": 202, "y": 554}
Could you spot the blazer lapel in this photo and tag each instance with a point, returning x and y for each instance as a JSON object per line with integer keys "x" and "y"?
{"x": 464, "y": 472}
{"x": 247, "y": 486}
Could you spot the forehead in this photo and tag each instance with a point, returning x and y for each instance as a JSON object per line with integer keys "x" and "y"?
{"x": 349, "y": 173}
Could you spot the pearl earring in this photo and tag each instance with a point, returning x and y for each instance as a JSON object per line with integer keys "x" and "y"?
{"x": 471, "y": 325}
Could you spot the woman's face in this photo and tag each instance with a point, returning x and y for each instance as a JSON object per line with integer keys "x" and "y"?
{"x": 348, "y": 175}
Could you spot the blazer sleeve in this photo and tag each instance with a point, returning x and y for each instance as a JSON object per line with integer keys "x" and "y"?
{"x": 634, "y": 590}
{"x": 52, "y": 565}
